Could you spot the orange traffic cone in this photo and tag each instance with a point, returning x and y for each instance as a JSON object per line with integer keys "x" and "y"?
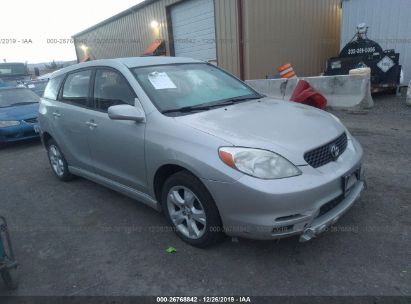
{"x": 286, "y": 71}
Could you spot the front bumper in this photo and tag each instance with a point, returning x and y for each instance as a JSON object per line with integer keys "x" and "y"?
{"x": 304, "y": 205}
{"x": 320, "y": 224}
{"x": 21, "y": 132}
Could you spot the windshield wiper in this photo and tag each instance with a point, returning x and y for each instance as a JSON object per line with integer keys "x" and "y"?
{"x": 223, "y": 103}
{"x": 235, "y": 100}
{"x": 188, "y": 109}
{"x": 22, "y": 103}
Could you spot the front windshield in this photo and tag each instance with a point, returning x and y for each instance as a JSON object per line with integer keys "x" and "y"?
{"x": 189, "y": 85}
{"x": 14, "y": 97}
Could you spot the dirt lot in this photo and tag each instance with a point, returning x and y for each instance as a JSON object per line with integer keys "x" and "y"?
{"x": 80, "y": 238}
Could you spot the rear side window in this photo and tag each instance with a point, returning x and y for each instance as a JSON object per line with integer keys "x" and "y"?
{"x": 53, "y": 87}
{"x": 76, "y": 88}
{"x": 111, "y": 89}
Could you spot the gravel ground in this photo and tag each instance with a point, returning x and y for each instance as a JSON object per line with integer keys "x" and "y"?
{"x": 80, "y": 238}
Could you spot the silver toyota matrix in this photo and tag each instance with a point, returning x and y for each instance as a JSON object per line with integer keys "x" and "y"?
{"x": 187, "y": 138}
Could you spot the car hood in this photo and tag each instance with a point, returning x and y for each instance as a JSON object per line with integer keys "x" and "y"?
{"x": 287, "y": 128}
{"x": 19, "y": 112}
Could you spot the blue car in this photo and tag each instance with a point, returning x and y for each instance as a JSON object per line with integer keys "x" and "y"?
{"x": 18, "y": 114}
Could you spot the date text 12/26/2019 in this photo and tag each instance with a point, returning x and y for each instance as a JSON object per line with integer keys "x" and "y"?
{"x": 239, "y": 299}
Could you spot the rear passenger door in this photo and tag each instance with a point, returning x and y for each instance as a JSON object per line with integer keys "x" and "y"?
{"x": 71, "y": 117}
{"x": 49, "y": 107}
{"x": 117, "y": 147}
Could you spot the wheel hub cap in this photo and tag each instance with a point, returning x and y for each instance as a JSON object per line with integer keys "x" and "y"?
{"x": 186, "y": 212}
{"x": 56, "y": 160}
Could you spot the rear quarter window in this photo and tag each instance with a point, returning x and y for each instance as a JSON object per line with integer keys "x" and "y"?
{"x": 52, "y": 88}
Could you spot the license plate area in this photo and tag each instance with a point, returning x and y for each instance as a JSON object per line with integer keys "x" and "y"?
{"x": 350, "y": 179}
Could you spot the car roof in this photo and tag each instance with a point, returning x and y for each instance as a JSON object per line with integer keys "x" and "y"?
{"x": 130, "y": 62}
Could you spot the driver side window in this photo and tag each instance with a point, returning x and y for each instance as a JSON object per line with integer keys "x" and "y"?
{"x": 111, "y": 89}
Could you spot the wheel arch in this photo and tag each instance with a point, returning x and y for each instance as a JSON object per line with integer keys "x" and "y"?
{"x": 206, "y": 199}
{"x": 45, "y": 137}
{"x": 164, "y": 172}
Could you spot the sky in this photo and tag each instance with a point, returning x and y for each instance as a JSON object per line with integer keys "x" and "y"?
{"x": 28, "y": 29}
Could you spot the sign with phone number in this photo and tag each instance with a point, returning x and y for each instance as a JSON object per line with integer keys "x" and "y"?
{"x": 361, "y": 51}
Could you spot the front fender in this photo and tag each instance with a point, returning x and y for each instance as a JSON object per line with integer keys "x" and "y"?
{"x": 171, "y": 143}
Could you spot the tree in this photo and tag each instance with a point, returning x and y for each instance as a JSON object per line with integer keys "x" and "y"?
{"x": 53, "y": 66}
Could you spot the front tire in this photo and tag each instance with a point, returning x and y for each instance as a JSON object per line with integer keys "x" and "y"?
{"x": 190, "y": 209}
{"x": 58, "y": 162}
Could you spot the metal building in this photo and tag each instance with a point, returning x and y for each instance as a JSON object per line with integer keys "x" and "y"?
{"x": 249, "y": 38}
{"x": 389, "y": 25}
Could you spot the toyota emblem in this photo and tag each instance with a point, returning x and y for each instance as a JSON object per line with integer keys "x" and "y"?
{"x": 335, "y": 152}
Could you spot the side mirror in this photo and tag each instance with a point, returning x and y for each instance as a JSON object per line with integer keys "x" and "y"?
{"x": 126, "y": 112}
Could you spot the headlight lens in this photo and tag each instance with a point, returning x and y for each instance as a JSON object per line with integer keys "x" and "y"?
{"x": 258, "y": 163}
{"x": 8, "y": 123}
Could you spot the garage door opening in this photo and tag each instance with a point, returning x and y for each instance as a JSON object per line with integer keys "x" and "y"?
{"x": 193, "y": 29}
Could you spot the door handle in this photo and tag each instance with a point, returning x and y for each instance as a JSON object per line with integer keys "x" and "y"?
{"x": 56, "y": 114}
{"x": 91, "y": 124}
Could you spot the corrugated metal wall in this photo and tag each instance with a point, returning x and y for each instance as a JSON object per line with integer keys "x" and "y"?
{"x": 227, "y": 25}
{"x": 389, "y": 25}
{"x": 131, "y": 34}
{"x": 301, "y": 32}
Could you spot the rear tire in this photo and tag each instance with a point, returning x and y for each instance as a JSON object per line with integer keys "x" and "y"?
{"x": 191, "y": 210}
{"x": 58, "y": 162}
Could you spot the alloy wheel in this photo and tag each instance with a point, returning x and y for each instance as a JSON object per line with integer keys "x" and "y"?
{"x": 56, "y": 160}
{"x": 186, "y": 212}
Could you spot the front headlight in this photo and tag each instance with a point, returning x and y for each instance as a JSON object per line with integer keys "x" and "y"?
{"x": 8, "y": 123}
{"x": 258, "y": 163}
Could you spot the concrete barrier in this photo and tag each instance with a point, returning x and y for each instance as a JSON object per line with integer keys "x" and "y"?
{"x": 274, "y": 88}
{"x": 344, "y": 91}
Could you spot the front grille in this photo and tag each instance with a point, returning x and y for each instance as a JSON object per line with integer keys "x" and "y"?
{"x": 322, "y": 155}
{"x": 31, "y": 120}
{"x": 330, "y": 205}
